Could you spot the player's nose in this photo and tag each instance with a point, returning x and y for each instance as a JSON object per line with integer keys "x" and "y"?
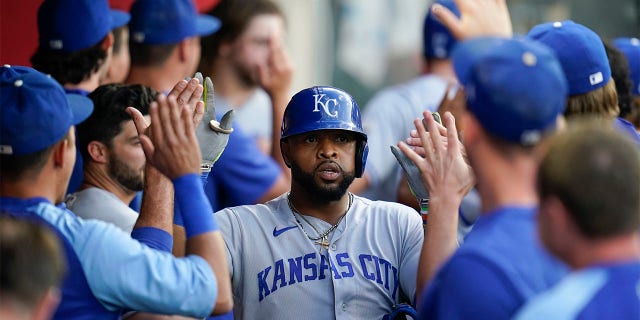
{"x": 326, "y": 148}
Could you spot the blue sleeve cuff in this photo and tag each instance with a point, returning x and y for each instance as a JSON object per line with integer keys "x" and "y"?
{"x": 195, "y": 209}
{"x": 177, "y": 215}
{"x": 154, "y": 238}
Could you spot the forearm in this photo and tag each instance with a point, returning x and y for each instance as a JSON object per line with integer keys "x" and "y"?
{"x": 440, "y": 238}
{"x": 156, "y": 211}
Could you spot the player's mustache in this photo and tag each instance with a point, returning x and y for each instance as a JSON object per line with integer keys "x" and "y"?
{"x": 329, "y": 164}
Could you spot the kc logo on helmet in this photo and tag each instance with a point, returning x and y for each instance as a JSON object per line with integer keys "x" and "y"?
{"x": 326, "y": 105}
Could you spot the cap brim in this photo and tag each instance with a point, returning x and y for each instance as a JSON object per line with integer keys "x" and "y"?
{"x": 467, "y": 53}
{"x": 119, "y": 18}
{"x": 206, "y": 25}
{"x": 81, "y": 107}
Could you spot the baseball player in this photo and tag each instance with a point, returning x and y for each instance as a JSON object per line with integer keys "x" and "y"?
{"x": 108, "y": 271}
{"x": 583, "y": 58}
{"x": 31, "y": 269}
{"x": 389, "y": 116}
{"x": 589, "y": 183}
{"x": 630, "y": 47}
{"x": 500, "y": 265}
{"x": 318, "y": 251}
{"x": 77, "y": 60}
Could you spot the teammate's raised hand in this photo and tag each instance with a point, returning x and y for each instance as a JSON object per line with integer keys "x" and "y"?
{"x": 443, "y": 168}
{"x": 415, "y": 142}
{"x": 170, "y": 145}
{"x": 275, "y": 77}
{"x": 188, "y": 93}
{"x": 477, "y": 18}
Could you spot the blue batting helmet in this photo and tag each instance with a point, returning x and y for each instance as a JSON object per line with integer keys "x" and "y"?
{"x": 325, "y": 108}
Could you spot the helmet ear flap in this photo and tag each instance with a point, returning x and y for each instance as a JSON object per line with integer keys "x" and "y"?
{"x": 362, "y": 151}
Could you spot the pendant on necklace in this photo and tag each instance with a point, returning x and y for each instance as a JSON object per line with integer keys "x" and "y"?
{"x": 323, "y": 242}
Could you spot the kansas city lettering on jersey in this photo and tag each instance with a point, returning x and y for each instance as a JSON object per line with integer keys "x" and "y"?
{"x": 325, "y": 104}
{"x": 313, "y": 267}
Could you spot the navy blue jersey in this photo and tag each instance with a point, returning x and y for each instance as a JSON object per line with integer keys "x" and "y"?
{"x": 500, "y": 266}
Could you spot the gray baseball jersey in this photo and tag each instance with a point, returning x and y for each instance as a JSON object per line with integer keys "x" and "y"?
{"x": 100, "y": 204}
{"x": 279, "y": 273}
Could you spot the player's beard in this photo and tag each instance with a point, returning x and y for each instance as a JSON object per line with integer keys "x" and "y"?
{"x": 247, "y": 75}
{"x": 323, "y": 193}
{"x": 126, "y": 176}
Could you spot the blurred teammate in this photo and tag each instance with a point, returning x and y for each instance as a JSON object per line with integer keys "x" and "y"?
{"x": 592, "y": 91}
{"x": 164, "y": 41}
{"x": 120, "y": 65}
{"x": 75, "y": 48}
{"x": 31, "y": 270}
{"x": 630, "y": 47}
{"x": 389, "y": 116}
{"x": 241, "y": 56}
{"x": 500, "y": 265}
{"x": 589, "y": 183}
{"x": 252, "y": 76}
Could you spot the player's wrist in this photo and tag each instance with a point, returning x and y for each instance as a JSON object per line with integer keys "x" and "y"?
{"x": 424, "y": 209}
{"x": 451, "y": 201}
{"x": 196, "y": 211}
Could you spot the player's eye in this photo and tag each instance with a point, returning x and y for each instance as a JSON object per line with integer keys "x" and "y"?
{"x": 343, "y": 138}
{"x": 310, "y": 139}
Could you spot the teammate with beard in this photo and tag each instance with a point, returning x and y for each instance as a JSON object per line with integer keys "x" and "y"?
{"x": 319, "y": 252}
{"x": 113, "y": 157}
{"x": 239, "y": 56}
{"x": 252, "y": 75}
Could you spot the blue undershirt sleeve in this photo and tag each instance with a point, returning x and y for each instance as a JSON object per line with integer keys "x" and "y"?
{"x": 195, "y": 209}
{"x": 153, "y": 237}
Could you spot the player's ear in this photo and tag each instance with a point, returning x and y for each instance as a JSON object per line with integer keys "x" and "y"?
{"x": 285, "y": 148}
{"x": 183, "y": 49}
{"x": 47, "y": 305}
{"x": 107, "y": 43}
{"x": 61, "y": 150}
{"x": 472, "y": 128}
{"x": 98, "y": 152}
{"x": 224, "y": 50}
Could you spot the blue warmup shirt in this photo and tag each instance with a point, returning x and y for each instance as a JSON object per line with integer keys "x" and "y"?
{"x": 242, "y": 175}
{"x": 598, "y": 292}
{"x": 108, "y": 272}
{"x": 500, "y": 265}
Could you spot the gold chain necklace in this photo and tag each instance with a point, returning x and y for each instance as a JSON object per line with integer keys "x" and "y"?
{"x": 323, "y": 237}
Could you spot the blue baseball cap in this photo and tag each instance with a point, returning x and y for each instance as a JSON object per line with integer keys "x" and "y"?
{"x": 515, "y": 87}
{"x": 580, "y": 52}
{"x": 437, "y": 41}
{"x": 73, "y": 25}
{"x": 630, "y": 47}
{"x": 36, "y": 112}
{"x": 168, "y": 21}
